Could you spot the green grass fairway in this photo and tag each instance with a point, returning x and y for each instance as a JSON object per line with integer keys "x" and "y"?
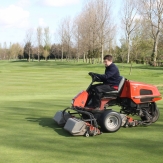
{"x": 30, "y": 95}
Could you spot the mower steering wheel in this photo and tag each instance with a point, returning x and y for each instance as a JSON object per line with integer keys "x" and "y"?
{"x": 94, "y": 77}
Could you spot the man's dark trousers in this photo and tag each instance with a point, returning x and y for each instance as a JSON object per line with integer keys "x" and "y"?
{"x": 99, "y": 89}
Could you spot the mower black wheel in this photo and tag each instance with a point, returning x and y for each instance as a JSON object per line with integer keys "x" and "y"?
{"x": 110, "y": 121}
{"x": 156, "y": 113}
{"x": 156, "y": 117}
{"x": 153, "y": 111}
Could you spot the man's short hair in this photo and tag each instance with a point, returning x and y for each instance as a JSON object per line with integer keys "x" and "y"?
{"x": 108, "y": 57}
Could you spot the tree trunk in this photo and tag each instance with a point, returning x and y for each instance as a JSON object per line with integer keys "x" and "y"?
{"x": 155, "y": 49}
{"x": 29, "y": 59}
{"x": 84, "y": 57}
{"x": 78, "y": 49}
{"x": 89, "y": 60}
{"x": 38, "y": 55}
{"x": 130, "y": 68}
{"x": 92, "y": 60}
{"x": 78, "y": 57}
{"x": 128, "y": 54}
{"x": 102, "y": 54}
{"x": 62, "y": 54}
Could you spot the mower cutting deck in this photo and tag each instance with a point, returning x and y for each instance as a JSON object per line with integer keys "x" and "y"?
{"x": 134, "y": 98}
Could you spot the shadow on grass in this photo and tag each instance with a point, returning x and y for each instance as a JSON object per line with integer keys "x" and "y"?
{"x": 49, "y": 122}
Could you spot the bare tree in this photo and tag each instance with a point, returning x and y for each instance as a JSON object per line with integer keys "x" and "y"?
{"x": 28, "y": 40}
{"x": 39, "y": 41}
{"x": 106, "y": 27}
{"x": 95, "y": 28}
{"x": 5, "y": 51}
{"x": 83, "y": 35}
{"x": 61, "y": 32}
{"x": 152, "y": 10}
{"x": 9, "y": 53}
{"x": 68, "y": 36}
{"x": 77, "y": 35}
{"x": 91, "y": 30}
{"x": 130, "y": 11}
{"x": 47, "y": 42}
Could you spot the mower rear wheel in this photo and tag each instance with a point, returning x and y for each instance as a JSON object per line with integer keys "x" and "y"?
{"x": 153, "y": 111}
{"x": 111, "y": 121}
{"x": 156, "y": 113}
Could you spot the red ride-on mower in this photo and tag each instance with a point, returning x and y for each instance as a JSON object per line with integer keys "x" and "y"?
{"x": 134, "y": 98}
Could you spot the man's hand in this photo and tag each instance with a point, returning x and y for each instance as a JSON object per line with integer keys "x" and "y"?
{"x": 94, "y": 76}
{"x": 91, "y": 73}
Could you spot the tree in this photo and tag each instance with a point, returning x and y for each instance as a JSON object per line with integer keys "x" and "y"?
{"x": 152, "y": 11}
{"x": 56, "y": 51}
{"x": 39, "y": 41}
{"x": 27, "y": 50}
{"x": 61, "y": 32}
{"x": 47, "y": 43}
{"x": 68, "y": 37}
{"x": 28, "y": 43}
{"x": 4, "y": 49}
{"x": 106, "y": 27}
{"x": 16, "y": 50}
{"x": 77, "y": 35}
{"x": 90, "y": 30}
{"x": 130, "y": 24}
{"x": 94, "y": 29}
{"x": 141, "y": 46}
{"x": 82, "y": 37}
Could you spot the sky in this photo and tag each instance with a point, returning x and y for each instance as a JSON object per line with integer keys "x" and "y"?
{"x": 18, "y": 16}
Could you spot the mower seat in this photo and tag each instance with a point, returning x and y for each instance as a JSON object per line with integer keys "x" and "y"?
{"x": 116, "y": 92}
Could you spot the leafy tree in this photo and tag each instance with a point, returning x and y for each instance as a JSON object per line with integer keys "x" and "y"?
{"x": 28, "y": 50}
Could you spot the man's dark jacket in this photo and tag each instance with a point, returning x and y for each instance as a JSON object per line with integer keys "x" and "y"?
{"x": 111, "y": 76}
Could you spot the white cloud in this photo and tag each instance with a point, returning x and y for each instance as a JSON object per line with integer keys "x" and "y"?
{"x": 13, "y": 16}
{"x": 41, "y": 22}
{"x": 58, "y": 3}
{"x": 23, "y": 3}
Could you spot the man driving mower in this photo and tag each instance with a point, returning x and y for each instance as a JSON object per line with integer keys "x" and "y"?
{"x": 110, "y": 79}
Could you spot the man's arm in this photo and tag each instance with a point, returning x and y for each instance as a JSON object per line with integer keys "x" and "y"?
{"x": 108, "y": 74}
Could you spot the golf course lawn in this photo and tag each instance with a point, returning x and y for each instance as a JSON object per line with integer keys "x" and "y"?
{"x": 30, "y": 95}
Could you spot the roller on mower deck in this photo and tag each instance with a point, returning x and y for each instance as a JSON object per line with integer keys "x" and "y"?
{"x": 134, "y": 98}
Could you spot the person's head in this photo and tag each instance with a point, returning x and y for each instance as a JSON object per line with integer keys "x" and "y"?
{"x": 108, "y": 60}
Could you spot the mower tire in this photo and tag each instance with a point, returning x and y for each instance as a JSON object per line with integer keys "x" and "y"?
{"x": 110, "y": 121}
{"x": 154, "y": 112}
{"x": 156, "y": 117}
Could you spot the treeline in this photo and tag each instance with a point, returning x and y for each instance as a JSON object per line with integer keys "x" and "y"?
{"x": 94, "y": 32}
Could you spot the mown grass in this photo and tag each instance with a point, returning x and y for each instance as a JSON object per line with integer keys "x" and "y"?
{"x": 30, "y": 95}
